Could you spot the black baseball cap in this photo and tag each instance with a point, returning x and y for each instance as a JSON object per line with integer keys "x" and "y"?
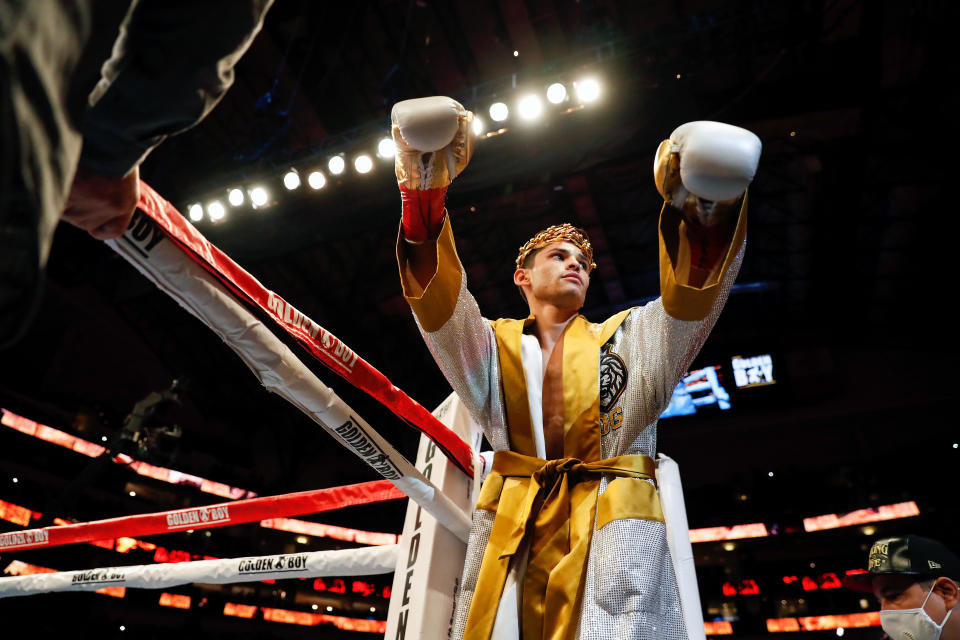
{"x": 906, "y": 555}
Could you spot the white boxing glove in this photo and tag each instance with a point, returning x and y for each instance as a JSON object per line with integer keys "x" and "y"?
{"x": 706, "y": 163}
{"x": 427, "y": 124}
{"x": 434, "y": 141}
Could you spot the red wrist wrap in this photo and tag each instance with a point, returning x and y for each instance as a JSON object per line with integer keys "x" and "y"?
{"x": 707, "y": 243}
{"x": 423, "y": 213}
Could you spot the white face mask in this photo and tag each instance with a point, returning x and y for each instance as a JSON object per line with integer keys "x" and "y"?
{"x": 912, "y": 624}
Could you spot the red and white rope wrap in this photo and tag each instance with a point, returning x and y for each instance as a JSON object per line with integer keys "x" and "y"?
{"x": 277, "y": 367}
{"x": 205, "y": 517}
{"x": 319, "y": 342}
{"x": 315, "y": 564}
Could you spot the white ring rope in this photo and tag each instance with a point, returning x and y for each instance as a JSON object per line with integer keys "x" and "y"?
{"x": 314, "y": 564}
{"x": 275, "y": 364}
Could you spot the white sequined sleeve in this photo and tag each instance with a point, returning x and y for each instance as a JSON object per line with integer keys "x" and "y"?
{"x": 461, "y": 341}
{"x": 673, "y": 328}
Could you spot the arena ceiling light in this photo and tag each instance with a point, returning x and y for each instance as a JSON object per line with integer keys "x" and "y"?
{"x": 258, "y": 196}
{"x": 556, "y": 93}
{"x": 235, "y": 197}
{"x": 216, "y": 211}
{"x": 588, "y": 90}
{"x": 363, "y": 163}
{"x": 336, "y": 165}
{"x": 386, "y": 148}
{"x": 530, "y": 107}
{"x": 585, "y": 90}
{"x": 316, "y": 180}
{"x": 499, "y": 112}
{"x": 291, "y": 179}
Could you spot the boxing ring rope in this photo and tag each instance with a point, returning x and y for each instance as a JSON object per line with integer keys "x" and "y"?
{"x": 213, "y": 300}
{"x": 313, "y": 564}
{"x": 205, "y": 517}
{"x": 319, "y": 342}
{"x": 214, "y": 289}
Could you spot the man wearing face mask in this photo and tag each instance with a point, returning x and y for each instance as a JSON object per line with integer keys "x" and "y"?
{"x": 915, "y": 580}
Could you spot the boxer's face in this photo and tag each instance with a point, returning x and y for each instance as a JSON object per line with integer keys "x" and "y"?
{"x": 558, "y": 275}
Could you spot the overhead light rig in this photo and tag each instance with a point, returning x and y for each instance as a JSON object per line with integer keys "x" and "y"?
{"x": 528, "y": 105}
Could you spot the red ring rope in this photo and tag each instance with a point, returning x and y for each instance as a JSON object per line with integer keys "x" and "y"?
{"x": 322, "y": 344}
{"x": 215, "y": 515}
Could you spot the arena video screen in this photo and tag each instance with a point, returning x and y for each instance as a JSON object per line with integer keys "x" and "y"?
{"x": 697, "y": 390}
{"x": 756, "y": 371}
{"x": 718, "y": 388}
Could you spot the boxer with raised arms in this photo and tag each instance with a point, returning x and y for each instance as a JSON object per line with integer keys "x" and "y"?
{"x": 568, "y": 537}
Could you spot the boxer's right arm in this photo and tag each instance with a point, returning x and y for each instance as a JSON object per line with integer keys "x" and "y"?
{"x": 433, "y": 143}
{"x": 460, "y": 340}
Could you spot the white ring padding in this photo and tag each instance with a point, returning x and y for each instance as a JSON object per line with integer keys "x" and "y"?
{"x": 678, "y": 542}
{"x": 314, "y": 564}
{"x": 277, "y": 367}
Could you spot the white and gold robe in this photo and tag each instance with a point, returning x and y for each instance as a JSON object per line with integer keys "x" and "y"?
{"x": 599, "y": 566}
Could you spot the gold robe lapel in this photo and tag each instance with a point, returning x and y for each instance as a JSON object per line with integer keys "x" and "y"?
{"x": 553, "y": 503}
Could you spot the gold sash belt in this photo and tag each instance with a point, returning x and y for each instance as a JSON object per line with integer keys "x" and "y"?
{"x": 551, "y": 504}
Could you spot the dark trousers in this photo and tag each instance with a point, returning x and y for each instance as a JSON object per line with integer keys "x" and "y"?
{"x": 59, "y": 56}
{"x": 41, "y": 44}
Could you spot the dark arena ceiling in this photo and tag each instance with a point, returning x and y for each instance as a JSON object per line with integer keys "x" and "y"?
{"x": 844, "y": 284}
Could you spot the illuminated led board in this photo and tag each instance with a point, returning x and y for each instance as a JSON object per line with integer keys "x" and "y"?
{"x": 756, "y": 371}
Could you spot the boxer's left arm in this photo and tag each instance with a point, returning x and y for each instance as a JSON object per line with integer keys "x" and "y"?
{"x": 702, "y": 171}
{"x": 171, "y": 64}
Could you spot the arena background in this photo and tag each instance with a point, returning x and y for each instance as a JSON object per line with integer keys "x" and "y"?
{"x": 846, "y": 285}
